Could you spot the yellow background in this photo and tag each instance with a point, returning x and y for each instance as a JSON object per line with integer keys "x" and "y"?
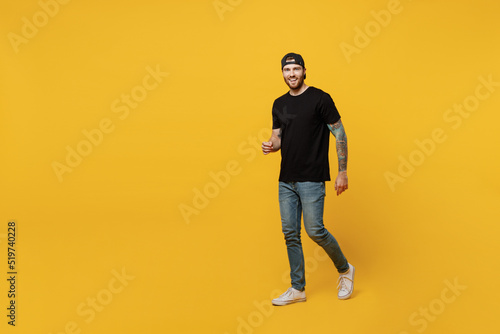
{"x": 215, "y": 271}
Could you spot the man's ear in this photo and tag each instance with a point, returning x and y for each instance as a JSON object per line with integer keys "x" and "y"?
{"x": 305, "y": 73}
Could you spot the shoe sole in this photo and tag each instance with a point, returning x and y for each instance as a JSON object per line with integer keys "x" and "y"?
{"x": 289, "y": 302}
{"x": 349, "y": 295}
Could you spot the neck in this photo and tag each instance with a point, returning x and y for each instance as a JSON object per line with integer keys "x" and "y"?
{"x": 298, "y": 90}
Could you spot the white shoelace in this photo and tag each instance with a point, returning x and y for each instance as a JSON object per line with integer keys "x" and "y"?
{"x": 342, "y": 283}
{"x": 286, "y": 294}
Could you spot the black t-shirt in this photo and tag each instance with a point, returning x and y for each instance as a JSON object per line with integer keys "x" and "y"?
{"x": 305, "y": 136}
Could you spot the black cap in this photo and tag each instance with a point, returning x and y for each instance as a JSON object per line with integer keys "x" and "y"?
{"x": 297, "y": 59}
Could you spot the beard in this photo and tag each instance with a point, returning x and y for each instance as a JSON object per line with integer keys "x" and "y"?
{"x": 297, "y": 84}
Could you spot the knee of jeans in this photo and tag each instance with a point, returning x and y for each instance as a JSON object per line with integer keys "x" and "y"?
{"x": 291, "y": 234}
{"x": 316, "y": 234}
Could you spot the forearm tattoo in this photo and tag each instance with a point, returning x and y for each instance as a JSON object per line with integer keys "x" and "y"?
{"x": 338, "y": 131}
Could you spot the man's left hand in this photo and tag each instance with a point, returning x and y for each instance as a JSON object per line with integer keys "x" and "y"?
{"x": 341, "y": 183}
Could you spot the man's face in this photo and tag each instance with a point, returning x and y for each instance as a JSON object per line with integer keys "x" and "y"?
{"x": 294, "y": 75}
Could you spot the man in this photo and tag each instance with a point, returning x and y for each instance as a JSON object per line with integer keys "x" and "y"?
{"x": 302, "y": 121}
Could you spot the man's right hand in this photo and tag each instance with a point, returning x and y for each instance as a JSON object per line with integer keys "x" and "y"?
{"x": 267, "y": 147}
{"x": 274, "y": 143}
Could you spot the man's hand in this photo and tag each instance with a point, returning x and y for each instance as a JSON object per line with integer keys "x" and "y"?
{"x": 341, "y": 183}
{"x": 274, "y": 143}
{"x": 267, "y": 147}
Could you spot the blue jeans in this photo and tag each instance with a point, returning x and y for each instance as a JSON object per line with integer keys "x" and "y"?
{"x": 307, "y": 198}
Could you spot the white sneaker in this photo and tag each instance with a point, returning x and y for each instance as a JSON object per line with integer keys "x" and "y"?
{"x": 346, "y": 283}
{"x": 289, "y": 297}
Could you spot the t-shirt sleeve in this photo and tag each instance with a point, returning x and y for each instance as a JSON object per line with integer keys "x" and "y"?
{"x": 327, "y": 109}
{"x": 276, "y": 120}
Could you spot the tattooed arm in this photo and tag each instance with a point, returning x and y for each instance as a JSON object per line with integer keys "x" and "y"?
{"x": 338, "y": 131}
{"x": 274, "y": 143}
